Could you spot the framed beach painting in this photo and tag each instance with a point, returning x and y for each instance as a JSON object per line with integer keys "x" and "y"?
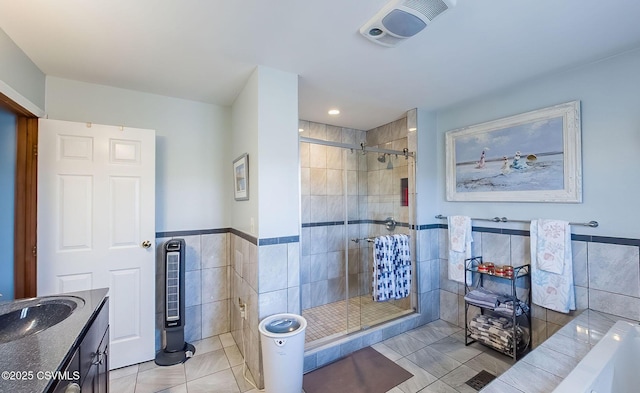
{"x": 241, "y": 178}
{"x": 530, "y": 157}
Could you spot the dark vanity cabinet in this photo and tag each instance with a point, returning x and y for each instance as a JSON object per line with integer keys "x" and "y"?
{"x": 90, "y": 358}
{"x": 94, "y": 354}
{"x": 96, "y": 380}
{"x": 70, "y": 386}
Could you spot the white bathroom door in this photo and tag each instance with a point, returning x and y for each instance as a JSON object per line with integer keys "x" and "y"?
{"x": 96, "y": 225}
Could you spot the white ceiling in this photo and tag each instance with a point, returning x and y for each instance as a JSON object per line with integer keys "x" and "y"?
{"x": 205, "y": 50}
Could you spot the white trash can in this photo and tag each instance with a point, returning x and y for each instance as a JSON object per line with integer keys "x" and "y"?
{"x": 282, "y": 337}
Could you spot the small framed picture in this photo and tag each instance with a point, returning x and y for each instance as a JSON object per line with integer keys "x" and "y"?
{"x": 241, "y": 178}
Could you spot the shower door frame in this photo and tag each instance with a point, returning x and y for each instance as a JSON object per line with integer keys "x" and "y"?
{"x": 363, "y": 148}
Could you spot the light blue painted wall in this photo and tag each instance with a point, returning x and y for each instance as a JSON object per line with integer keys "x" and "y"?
{"x": 7, "y": 185}
{"x": 265, "y": 125}
{"x": 426, "y": 162}
{"x": 279, "y": 203}
{"x": 20, "y": 73}
{"x": 244, "y": 139}
{"x": 193, "y": 165}
{"x": 609, "y": 93}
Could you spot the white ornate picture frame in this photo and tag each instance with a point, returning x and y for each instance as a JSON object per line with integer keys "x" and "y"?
{"x": 530, "y": 157}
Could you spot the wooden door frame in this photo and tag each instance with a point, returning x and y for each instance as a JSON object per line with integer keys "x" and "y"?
{"x": 25, "y": 211}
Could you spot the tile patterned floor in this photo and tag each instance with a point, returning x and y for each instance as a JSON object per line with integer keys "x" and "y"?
{"x": 434, "y": 353}
{"x": 215, "y": 367}
{"x": 331, "y": 319}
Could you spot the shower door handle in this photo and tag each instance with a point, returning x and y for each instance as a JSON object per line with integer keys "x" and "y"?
{"x": 146, "y": 244}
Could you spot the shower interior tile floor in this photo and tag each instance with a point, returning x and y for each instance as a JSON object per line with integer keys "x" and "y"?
{"x": 434, "y": 353}
{"x": 324, "y": 322}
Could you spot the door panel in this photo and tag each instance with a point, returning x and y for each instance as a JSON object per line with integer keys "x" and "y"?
{"x": 75, "y": 282}
{"x": 125, "y": 152}
{"x": 76, "y": 205}
{"x": 96, "y": 206}
{"x": 124, "y": 206}
{"x": 125, "y": 323}
{"x": 71, "y": 147}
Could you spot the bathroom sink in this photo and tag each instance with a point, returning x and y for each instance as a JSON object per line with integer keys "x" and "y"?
{"x": 23, "y": 318}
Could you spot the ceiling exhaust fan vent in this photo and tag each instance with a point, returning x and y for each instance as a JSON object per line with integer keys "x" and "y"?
{"x": 430, "y": 9}
{"x": 401, "y": 19}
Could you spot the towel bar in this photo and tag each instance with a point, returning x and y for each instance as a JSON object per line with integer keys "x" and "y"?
{"x": 592, "y": 224}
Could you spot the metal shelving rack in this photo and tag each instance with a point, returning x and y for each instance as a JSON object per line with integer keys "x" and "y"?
{"x": 519, "y": 272}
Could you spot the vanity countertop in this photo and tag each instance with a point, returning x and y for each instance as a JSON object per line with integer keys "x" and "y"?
{"x": 26, "y": 364}
{"x": 548, "y": 364}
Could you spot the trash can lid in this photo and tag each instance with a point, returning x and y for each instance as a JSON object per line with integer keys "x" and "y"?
{"x": 283, "y": 325}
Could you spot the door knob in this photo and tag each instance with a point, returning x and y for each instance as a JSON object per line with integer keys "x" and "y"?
{"x": 146, "y": 244}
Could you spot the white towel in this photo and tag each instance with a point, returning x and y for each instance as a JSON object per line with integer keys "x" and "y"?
{"x": 554, "y": 291}
{"x": 459, "y": 247}
{"x": 551, "y": 242}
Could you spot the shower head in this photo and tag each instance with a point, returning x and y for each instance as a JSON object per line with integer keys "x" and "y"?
{"x": 382, "y": 158}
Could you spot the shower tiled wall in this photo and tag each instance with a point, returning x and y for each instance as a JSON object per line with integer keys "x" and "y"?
{"x": 606, "y": 276}
{"x": 373, "y": 194}
{"x": 322, "y": 274}
{"x": 379, "y": 201}
{"x": 383, "y": 193}
{"x": 427, "y": 287}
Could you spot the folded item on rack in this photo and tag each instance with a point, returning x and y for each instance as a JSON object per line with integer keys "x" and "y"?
{"x": 503, "y": 308}
{"x": 499, "y": 303}
{"x": 480, "y": 303}
{"x": 507, "y": 307}
{"x": 486, "y": 323}
{"x": 482, "y": 297}
{"x": 500, "y": 322}
{"x": 504, "y": 298}
{"x": 494, "y": 331}
{"x": 500, "y": 346}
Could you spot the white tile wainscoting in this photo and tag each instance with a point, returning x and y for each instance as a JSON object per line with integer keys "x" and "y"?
{"x": 606, "y": 276}
{"x": 224, "y": 264}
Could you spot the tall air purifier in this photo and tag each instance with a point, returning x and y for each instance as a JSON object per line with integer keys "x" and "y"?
{"x": 175, "y": 349}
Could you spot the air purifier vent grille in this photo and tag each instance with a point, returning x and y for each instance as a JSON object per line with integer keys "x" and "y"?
{"x": 173, "y": 286}
{"x": 428, "y": 8}
{"x": 174, "y": 349}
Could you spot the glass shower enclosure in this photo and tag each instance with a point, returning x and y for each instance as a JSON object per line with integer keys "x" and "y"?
{"x": 351, "y": 193}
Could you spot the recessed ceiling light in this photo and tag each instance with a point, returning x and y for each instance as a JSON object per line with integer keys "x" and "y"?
{"x": 412, "y": 129}
{"x": 300, "y": 129}
{"x": 334, "y": 112}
